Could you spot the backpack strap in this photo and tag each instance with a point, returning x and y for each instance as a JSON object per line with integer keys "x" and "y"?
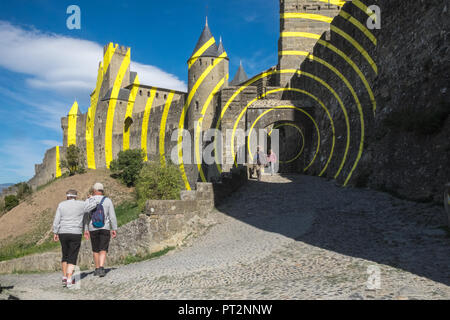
{"x": 103, "y": 199}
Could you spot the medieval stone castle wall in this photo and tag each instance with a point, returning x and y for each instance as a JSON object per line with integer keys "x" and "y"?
{"x": 328, "y": 96}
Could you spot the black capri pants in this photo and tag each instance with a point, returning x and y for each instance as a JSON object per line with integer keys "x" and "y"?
{"x": 70, "y": 245}
{"x": 100, "y": 240}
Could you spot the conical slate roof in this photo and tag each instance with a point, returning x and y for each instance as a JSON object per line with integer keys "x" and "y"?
{"x": 240, "y": 76}
{"x": 221, "y": 49}
{"x": 206, "y": 45}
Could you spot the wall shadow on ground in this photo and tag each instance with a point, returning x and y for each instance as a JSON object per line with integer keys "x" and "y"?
{"x": 356, "y": 222}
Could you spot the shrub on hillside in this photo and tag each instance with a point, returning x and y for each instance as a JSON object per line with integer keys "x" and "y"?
{"x": 23, "y": 190}
{"x": 2, "y": 206}
{"x": 10, "y": 202}
{"x": 158, "y": 182}
{"x": 74, "y": 161}
{"x": 127, "y": 166}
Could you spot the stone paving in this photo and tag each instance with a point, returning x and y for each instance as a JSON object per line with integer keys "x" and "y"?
{"x": 286, "y": 237}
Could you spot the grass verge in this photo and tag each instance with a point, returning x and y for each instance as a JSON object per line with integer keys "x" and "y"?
{"x": 138, "y": 258}
{"x": 127, "y": 212}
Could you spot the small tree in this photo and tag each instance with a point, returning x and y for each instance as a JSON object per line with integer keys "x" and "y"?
{"x": 11, "y": 201}
{"x": 2, "y": 206}
{"x": 74, "y": 161}
{"x": 157, "y": 182}
{"x": 23, "y": 190}
{"x": 127, "y": 166}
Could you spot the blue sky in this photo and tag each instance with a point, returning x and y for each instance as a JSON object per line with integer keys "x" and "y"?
{"x": 44, "y": 66}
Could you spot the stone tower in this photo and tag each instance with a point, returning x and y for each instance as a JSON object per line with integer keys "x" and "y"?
{"x": 208, "y": 65}
{"x": 117, "y": 56}
{"x": 302, "y": 22}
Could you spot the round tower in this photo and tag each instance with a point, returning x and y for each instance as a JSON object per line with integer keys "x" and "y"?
{"x": 207, "y": 66}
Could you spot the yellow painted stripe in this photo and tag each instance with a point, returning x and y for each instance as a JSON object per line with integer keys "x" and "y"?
{"x": 357, "y": 46}
{"x": 108, "y": 56}
{"x": 299, "y": 72}
{"x": 335, "y": 2}
{"x": 200, "y": 124}
{"x": 286, "y": 107}
{"x": 162, "y": 129}
{"x": 361, "y": 115}
{"x": 357, "y": 70}
{"x": 90, "y": 121}
{"x": 58, "y": 163}
{"x": 361, "y": 6}
{"x": 302, "y": 135}
{"x": 183, "y": 115}
{"x": 112, "y": 107}
{"x": 319, "y": 102}
{"x": 336, "y": 30}
{"x": 129, "y": 112}
{"x": 72, "y": 125}
{"x": 308, "y": 16}
{"x": 144, "y": 131}
{"x": 293, "y": 53}
{"x": 358, "y": 25}
{"x": 300, "y": 34}
{"x": 358, "y": 104}
{"x": 200, "y": 51}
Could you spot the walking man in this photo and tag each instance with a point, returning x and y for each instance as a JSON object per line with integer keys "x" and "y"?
{"x": 260, "y": 161}
{"x": 68, "y": 229}
{"x": 100, "y": 232}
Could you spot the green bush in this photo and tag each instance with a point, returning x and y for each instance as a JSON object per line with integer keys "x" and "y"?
{"x": 127, "y": 166}
{"x": 74, "y": 161}
{"x": 158, "y": 183}
{"x": 10, "y": 202}
{"x": 23, "y": 190}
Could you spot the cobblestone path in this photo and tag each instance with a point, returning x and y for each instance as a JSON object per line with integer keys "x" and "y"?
{"x": 286, "y": 237}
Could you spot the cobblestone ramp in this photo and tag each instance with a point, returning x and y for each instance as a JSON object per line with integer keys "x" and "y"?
{"x": 287, "y": 237}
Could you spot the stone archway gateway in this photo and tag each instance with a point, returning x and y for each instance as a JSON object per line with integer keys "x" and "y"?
{"x": 290, "y": 123}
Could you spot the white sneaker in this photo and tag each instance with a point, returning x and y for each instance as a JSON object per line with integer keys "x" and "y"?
{"x": 70, "y": 283}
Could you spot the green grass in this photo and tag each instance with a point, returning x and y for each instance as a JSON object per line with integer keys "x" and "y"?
{"x": 127, "y": 212}
{"x": 26, "y": 244}
{"x": 138, "y": 258}
{"x": 17, "y": 250}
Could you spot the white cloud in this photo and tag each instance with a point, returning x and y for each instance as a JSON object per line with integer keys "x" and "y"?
{"x": 64, "y": 64}
{"x": 50, "y": 143}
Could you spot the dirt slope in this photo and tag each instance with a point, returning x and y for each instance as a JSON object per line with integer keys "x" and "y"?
{"x": 43, "y": 203}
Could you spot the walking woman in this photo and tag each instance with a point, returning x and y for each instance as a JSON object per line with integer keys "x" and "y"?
{"x": 272, "y": 158}
{"x": 68, "y": 229}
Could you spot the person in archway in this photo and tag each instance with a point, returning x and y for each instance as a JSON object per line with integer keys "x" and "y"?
{"x": 260, "y": 161}
{"x": 272, "y": 159}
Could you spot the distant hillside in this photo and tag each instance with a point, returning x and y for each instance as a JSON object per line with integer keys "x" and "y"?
{"x": 5, "y": 185}
{"x": 38, "y": 210}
